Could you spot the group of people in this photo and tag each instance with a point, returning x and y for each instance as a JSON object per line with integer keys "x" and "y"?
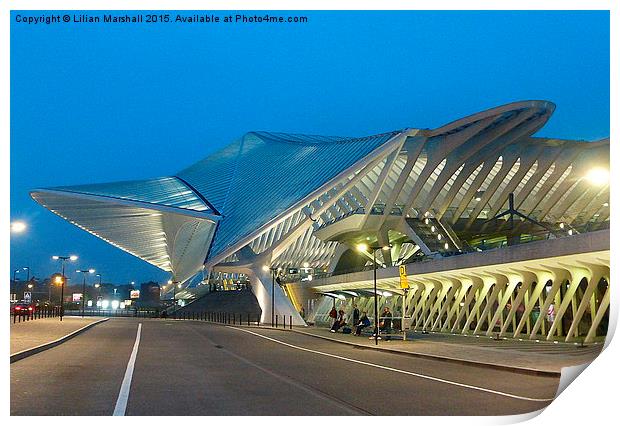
{"x": 360, "y": 322}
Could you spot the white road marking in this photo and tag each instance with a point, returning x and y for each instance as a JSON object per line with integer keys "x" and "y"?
{"x": 422, "y": 376}
{"x": 123, "y": 395}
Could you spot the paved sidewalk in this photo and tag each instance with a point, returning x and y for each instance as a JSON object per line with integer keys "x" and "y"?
{"x": 29, "y": 334}
{"x": 539, "y": 356}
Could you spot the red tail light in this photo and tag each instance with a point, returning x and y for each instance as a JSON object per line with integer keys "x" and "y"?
{"x": 17, "y": 308}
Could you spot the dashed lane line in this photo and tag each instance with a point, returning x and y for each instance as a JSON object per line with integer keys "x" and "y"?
{"x": 396, "y": 370}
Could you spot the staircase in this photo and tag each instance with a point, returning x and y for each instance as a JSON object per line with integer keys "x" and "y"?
{"x": 233, "y": 302}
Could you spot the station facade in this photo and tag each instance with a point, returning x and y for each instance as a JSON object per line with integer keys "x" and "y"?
{"x": 290, "y": 213}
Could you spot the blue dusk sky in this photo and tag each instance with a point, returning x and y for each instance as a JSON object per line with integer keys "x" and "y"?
{"x": 106, "y": 102}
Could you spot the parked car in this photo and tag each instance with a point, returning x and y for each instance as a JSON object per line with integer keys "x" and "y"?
{"x": 24, "y": 309}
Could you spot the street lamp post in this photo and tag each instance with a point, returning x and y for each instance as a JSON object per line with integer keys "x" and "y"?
{"x": 273, "y": 295}
{"x": 84, "y": 272}
{"x": 98, "y": 287}
{"x": 15, "y": 282}
{"x": 63, "y": 259}
{"x": 273, "y": 291}
{"x": 15, "y": 272}
{"x": 364, "y": 248}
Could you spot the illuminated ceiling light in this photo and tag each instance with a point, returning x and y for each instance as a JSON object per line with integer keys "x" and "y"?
{"x": 385, "y": 248}
{"x": 570, "y": 232}
{"x": 561, "y": 225}
{"x": 362, "y": 247}
{"x": 18, "y": 227}
{"x": 73, "y": 257}
{"x": 265, "y": 268}
{"x": 91, "y": 270}
{"x": 605, "y": 204}
{"x": 433, "y": 228}
{"x": 439, "y": 237}
{"x": 598, "y": 176}
{"x": 306, "y": 264}
{"x": 426, "y": 214}
{"x": 446, "y": 246}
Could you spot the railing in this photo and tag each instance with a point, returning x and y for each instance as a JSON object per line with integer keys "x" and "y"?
{"x": 231, "y": 318}
{"x": 143, "y": 313}
{"x": 36, "y": 313}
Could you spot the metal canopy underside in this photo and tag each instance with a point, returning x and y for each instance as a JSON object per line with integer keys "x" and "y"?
{"x": 173, "y": 239}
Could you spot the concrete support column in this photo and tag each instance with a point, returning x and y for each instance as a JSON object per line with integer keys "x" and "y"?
{"x": 597, "y": 274}
{"x": 576, "y": 275}
{"x": 513, "y": 280}
{"x": 599, "y": 316}
{"x": 452, "y": 286}
{"x": 480, "y": 294}
{"x": 261, "y": 286}
{"x": 558, "y": 279}
{"x": 463, "y": 286}
{"x": 500, "y": 284}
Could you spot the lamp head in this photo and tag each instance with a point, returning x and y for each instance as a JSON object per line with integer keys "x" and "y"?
{"x": 598, "y": 176}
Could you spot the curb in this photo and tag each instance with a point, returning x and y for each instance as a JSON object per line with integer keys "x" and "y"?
{"x": 35, "y": 350}
{"x": 522, "y": 370}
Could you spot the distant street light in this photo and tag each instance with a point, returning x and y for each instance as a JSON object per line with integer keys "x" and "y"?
{"x": 63, "y": 259}
{"x": 18, "y": 270}
{"x": 17, "y": 227}
{"x": 84, "y": 272}
{"x": 364, "y": 248}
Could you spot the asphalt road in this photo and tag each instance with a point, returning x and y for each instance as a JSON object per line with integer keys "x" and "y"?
{"x": 195, "y": 368}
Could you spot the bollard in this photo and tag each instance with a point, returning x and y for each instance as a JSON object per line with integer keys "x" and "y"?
{"x": 14, "y": 317}
{"x": 290, "y": 322}
{"x": 284, "y": 321}
{"x": 276, "y": 321}
{"x": 234, "y": 319}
